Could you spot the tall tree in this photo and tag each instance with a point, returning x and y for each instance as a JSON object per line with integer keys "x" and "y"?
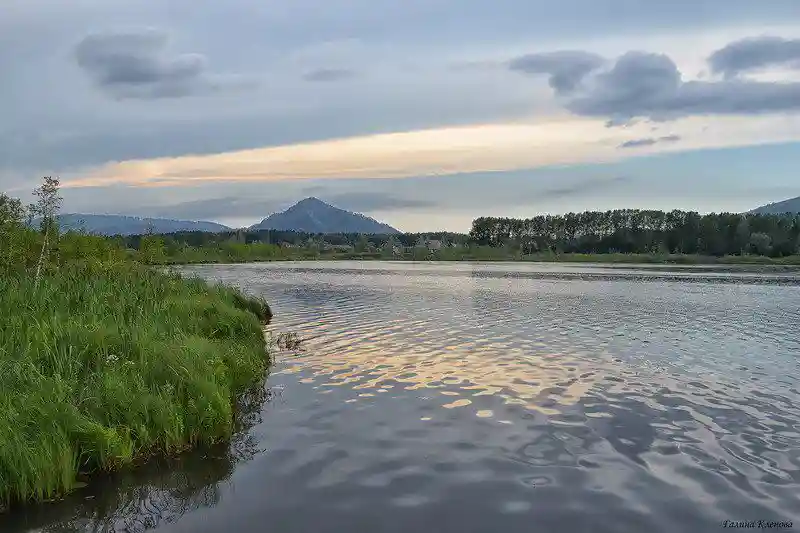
{"x": 742, "y": 235}
{"x": 47, "y": 204}
{"x": 11, "y": 211}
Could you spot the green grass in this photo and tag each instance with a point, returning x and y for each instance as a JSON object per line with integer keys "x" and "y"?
{"x": 105, "y": 364}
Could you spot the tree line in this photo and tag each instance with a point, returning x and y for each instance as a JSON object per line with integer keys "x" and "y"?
{"x": 261, "y": 245}
{"x": 630, "y": 231}
{"x": 298, "y": 238}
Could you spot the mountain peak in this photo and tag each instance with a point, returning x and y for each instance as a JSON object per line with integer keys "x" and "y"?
{"x": 311, "y": 200}
{"x": 312, "y": 215}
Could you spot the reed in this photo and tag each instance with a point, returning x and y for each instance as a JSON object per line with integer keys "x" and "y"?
{"x": 105, "y": 363}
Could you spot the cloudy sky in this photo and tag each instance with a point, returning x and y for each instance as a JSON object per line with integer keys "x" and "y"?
{"x": 423, "y": 113}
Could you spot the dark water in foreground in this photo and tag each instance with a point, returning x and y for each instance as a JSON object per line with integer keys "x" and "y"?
{"x": 493, "y": 398}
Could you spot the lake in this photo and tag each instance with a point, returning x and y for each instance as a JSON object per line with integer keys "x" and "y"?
{"x": 456, "y": 397}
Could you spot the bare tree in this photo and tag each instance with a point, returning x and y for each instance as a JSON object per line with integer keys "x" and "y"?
{"x": 46, "y": 207}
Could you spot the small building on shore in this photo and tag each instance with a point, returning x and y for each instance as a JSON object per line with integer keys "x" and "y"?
{"x": 345, "y": 248}
{"x": 429, "y": 244}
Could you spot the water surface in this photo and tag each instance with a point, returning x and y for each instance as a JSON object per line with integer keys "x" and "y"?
{"x": 493, "y": 397}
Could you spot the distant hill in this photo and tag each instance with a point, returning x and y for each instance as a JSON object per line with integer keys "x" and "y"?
{"x": 126, "y": 225}
{"x": 779, "y": 208}
{"x": 315, "y": 216}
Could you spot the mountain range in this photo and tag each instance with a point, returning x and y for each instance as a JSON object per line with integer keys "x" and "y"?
{"x": 129, "y": 225}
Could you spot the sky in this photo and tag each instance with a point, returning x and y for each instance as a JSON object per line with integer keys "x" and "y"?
{"x": 424, "y": 114}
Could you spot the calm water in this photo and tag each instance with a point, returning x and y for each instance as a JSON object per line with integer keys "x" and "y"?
{"x": 492, "y": 398}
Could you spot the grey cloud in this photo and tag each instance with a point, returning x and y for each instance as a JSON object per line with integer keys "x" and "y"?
{"x": 477, "y": 65}
{"x": 313, "y": 190}
{"x": 625, "y": 123}
{"x": 329, "y": 74}
{"x": 137, "y": 64}
{"x": 372, "y": 201}
{"x": 650, "y": 141}
{"x": 636, "y": 79}
{"x": 581, "y": 187}
{"x": 14, "y": 183}
{"x": 755, "y": 53}
{"x": 636, "y": 143}
{"x": 215, "y": 208}
{"x": 377, "y": 202}
{"x": 646, "y": 85}
{"x": 566, "y": 68}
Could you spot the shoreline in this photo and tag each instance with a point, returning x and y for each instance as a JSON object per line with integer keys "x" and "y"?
{"x": 640, "y": 260}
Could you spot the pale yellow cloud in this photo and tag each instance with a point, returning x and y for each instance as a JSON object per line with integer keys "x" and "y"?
{"x": 477, "y": 148}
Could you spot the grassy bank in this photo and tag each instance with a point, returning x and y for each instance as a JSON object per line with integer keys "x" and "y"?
{"x": 105, "y": 363}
